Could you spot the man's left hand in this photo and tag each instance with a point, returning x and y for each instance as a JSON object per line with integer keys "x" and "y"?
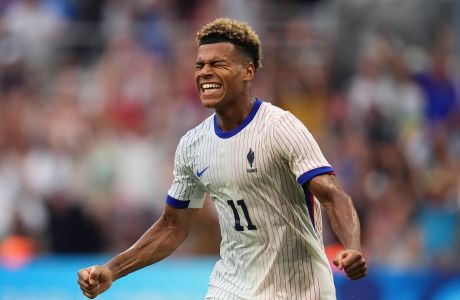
{"x": 352, "y": 262}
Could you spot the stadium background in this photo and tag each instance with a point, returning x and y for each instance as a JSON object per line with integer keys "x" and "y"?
{"x": 95, "y": 94}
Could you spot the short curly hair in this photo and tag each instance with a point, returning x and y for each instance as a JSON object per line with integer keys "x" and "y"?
{"x": 236, "y": 32}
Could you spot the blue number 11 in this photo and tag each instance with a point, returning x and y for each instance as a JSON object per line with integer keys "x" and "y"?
{"x": 238, "y": 226}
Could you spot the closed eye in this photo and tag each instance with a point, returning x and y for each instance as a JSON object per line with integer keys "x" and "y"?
{"x": 219, "y": 64}
{"x": 214, "y": 64}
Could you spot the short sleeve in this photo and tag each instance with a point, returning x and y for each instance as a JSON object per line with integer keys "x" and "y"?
{"x": 296, "y": 145}
{"x": 185, "y": 191}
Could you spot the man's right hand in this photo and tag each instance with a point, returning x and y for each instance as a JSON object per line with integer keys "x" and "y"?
{"x": 94, "y": 280}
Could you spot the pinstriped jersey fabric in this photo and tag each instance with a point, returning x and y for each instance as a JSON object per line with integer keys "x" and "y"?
{"x": 271, "y": 229}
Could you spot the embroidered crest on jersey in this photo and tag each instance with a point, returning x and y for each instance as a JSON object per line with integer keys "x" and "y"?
{"x": 251, "y": 158}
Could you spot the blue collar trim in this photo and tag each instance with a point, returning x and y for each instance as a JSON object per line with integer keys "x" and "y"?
{"x": 229, "y": 134}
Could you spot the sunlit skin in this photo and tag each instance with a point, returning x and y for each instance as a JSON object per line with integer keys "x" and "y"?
{"x": 223, "y": 65}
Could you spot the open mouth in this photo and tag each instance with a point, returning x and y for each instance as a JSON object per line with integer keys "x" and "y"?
{"x": 210, "y": 88}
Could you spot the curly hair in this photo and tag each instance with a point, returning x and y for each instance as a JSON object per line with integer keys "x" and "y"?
{"x": 235, "y": 32}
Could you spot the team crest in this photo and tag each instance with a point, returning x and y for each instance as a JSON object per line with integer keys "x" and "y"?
{"x": 251, "y": 157}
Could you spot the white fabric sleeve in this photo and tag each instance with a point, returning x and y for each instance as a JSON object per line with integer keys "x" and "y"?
{"x": 185, "y": 191}
{"x": 295, "y": 144}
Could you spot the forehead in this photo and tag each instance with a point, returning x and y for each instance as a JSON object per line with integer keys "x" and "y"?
{"x": 223, "y": 50}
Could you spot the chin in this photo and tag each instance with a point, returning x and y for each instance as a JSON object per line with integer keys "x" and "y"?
{"x": 210, "y": 103}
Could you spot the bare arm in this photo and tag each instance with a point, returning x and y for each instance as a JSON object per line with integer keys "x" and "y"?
{"x": 158, "y": 242}
{"x": 339, "y": 208}
{"x": 344, "y": 221}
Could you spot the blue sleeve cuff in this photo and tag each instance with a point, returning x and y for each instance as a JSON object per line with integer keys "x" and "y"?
{"x": 177, "y": 203}
{"x": 309, "y": 175}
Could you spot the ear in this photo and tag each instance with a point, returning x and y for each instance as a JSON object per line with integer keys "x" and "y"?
{"x": 248, "y": 71}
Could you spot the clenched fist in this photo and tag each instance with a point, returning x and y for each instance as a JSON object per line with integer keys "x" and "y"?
{"x": 94, "y": 280}
{"x": 352, "y": 262}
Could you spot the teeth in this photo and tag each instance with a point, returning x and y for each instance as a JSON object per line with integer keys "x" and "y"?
{"x": 210, "y": 86}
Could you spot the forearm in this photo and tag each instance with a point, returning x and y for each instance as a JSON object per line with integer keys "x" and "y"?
{"x": 158, "y": 242}
{"x": 340, "y": 210}
{"x": 344, "y": 221}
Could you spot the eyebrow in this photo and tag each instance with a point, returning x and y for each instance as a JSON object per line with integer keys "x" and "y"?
{"x": 213, "y": 60}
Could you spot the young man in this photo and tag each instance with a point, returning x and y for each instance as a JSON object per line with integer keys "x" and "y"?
{"x": 267, "y": 177}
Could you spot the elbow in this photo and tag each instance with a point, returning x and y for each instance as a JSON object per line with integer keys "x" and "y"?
{"x": 328, "y": 191}
{"x": 175, "y": 226}
{"x": 335, "y": 196}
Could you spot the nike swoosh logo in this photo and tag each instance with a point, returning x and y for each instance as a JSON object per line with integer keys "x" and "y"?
{"x": 198, "y": 173}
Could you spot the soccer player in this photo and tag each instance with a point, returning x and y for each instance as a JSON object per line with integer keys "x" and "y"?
{"x": 267, "y": 178}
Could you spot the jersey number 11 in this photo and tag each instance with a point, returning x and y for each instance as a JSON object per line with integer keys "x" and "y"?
{"x": 238, "y": 226}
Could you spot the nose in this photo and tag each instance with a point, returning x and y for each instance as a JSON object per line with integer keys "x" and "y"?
{"x": 205, "y": 71}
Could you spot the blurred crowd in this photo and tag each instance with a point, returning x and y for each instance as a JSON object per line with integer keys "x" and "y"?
{"x": 94, "y": 96}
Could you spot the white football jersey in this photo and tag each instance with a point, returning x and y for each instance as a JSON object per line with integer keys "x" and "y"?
{"x": 271, "y": 231}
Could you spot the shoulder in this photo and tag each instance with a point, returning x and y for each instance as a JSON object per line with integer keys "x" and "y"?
{"x": 274, "y": 116}
{"x": 196, "y": 134}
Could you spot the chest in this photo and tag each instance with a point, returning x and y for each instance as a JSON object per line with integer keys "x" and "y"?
{"x": 225, "y": 167}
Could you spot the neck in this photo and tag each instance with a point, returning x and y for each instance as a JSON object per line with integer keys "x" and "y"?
{"x": 232, "y": 116}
